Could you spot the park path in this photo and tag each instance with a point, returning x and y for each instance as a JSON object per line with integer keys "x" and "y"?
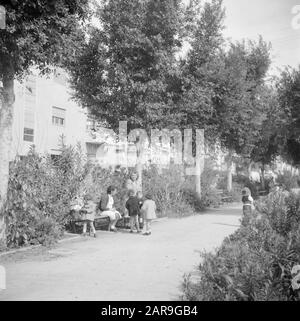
{"x": 119, "y": 266}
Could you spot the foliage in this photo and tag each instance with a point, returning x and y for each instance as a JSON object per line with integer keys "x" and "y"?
{"x": 39, "y": 195}
{"x": 288, "y": 88}
{"x": 131, "y": 61}
{"x": 40, "y": 34}
{"x": 255, "y": 263}
{"x": 166, "y": 186}
{"x": 287, "y": 180}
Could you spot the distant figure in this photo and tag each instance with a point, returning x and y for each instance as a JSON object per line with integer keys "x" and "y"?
{"x": 106, "y": 205}
{"x": 149, "y": 213}
{"x": 141, "y": 201}
{"x": 133, "y": 207}
{"x": 134, "y": 183}
{"x": 247, "y": 201}
{"x": 89, "y": 211}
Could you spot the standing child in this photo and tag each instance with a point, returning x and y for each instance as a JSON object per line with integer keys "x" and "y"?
{"x": 141, "y": 201}
{"x": 133, "y": 207}
{"x": 89, "y": 210}
{"x": 149, "y": 213}
{"x": 247, "y": 201}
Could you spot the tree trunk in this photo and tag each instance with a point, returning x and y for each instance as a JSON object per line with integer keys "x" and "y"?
{"x": 6, "y": 120}
{"x": 263, "y": 184}
{"x": 229, "y": 172}
{"x": 250, "y": 169}
{"x": 199, "y": 160}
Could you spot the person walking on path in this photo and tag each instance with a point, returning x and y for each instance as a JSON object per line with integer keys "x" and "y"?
{"x": 106, "y": 205}
{"x": 133, "y": 207}
{"x": 149, "y": 213}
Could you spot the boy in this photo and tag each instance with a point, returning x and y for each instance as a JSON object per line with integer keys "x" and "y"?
{"x": 133, "y": 207}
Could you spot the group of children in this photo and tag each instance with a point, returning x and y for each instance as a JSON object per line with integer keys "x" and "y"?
{"x": 141, "y": 212}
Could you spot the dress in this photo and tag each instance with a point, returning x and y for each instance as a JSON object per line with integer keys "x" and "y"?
{"x": 110, "y": 211}
{"x": 148, "y": 210}
{"x": 89, "y": 210}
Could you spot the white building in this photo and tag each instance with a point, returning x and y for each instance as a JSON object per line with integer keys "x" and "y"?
{"x": 45, "y": 116}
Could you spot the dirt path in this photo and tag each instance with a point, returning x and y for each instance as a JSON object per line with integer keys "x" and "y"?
{"x": 119, "y": 266}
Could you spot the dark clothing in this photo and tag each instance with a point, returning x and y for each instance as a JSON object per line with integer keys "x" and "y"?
{"x": 133, "y": 206}
{"x": 245, "y": 199}
{"x": 103, "y": 203}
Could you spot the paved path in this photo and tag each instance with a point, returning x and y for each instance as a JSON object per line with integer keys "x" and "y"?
{"x": 119, "y": 266}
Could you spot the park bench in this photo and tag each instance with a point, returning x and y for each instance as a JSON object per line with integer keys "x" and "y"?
{"x": 263, "y": 193}
{"x": 101, "y": 222}
{"x": 224, "y": 197}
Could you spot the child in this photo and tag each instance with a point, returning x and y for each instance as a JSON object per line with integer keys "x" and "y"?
{"x": 89, "y": 215}
{"x": 148, "y": 210}
{"x": 77, "y": 204}
{"x": 141, "y": 201}
{"x": 247, "y": 201}
{"x": 133, "y": 208}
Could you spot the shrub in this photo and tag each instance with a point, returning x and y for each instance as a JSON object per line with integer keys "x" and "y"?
{"x": 166, "y": 186}
{"x": 287, "y": 180}
{"x": 39, "y": 194}
{"x": 254, "y": 263}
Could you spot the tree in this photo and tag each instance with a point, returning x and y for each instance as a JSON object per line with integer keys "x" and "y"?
{"x": 288, "y": 87}
{"x": 269, "y": 139}
{"x": 239, "y": 109}
{"x": 128, "y": 67}
{"x": 40, "y": 34}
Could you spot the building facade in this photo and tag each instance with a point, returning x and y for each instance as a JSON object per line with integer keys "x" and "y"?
{"x": 45, "y": 116}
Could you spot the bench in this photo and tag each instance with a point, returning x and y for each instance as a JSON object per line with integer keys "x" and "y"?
{"x": 263, "y": 193}
{"x": 226, "y": 199}
{"x": 101, "y": 222}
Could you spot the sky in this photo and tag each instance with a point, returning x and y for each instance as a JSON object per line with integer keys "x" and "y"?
{"x": 273, "y": 19}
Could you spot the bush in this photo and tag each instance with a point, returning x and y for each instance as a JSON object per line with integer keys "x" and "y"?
{"x": 39, "y": 194}
{"x": 255, "y": 263}
{"x": 287, "y": 180}
{"x": 166, "y": 186}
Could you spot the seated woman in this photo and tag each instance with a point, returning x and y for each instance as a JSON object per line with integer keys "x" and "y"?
{"x": 107, "y": 208}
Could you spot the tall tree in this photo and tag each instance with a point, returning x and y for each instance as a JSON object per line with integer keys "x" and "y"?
{"x": 239, "y": 107}
{"x": 127, "y": 69}
{"x": 40, "y": 34}
{"x": 288, "y": 87}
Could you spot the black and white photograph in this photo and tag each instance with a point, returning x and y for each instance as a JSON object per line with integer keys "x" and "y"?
{"x": 149, "y": 152}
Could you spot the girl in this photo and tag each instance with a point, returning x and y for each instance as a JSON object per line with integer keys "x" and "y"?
{"x": 89, "y": 210}
{"x": 247, "y": 201}
{"x": 148, "y": 210}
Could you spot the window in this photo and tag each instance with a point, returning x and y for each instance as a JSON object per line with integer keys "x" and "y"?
{"x": 58, "y": 116}
{"x": 28, "y": 134}
{"x": 29, "y": 109}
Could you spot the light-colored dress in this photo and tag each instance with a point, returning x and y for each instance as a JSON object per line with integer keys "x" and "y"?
{"x": 111, "y": 212}
{"x": 149, "y": 210}
{"x": 90, "y": 208}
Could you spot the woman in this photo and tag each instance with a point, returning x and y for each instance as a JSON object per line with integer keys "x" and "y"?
{"x": 134, "y": 183}
{"x": 107, "y": 207}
